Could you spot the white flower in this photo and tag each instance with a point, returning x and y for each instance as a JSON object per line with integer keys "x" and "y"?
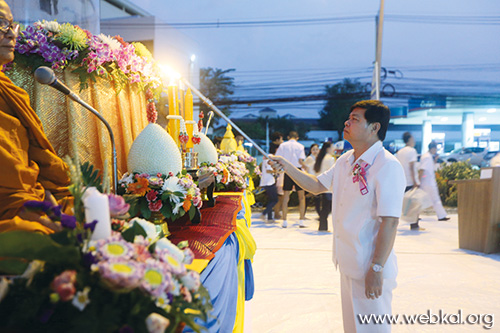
{"x": 113, "y": 44}
{"x": 51, "y": 26}
{"x": 172, "y": 184}
{"x": 165, "y": 244}
{"x": 81, "y": 299}
{"x": 191, "y": 280}
{"x": 34, "y": 267}
{"x": 156, "y": 323}
{"x": 4, "y": 288}
{"x": 224, "y": 159}
{"x": 127, "y": 178}
{"x": 148, "y": 227}
{"x": 178, "y": 206}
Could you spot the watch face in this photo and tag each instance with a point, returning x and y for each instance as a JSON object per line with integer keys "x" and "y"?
{"x": 377, "y": 268}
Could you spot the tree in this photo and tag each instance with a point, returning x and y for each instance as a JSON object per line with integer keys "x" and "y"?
{"x": 340, "y": 98}
{"x": 217, "y": 86}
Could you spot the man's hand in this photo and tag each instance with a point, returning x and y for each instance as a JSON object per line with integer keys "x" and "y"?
{"x": 43, "y": 220}
{"x": 277, "y": 163}
{"x": 373, "y": 284}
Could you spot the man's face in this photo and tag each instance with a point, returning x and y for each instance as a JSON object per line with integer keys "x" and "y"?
{"x": 356, "y": 128}
{"x": 8, "y": 39}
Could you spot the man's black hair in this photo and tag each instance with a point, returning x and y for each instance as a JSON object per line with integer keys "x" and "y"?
{"x": 276, "y": 135}
{"x": 433, "y": 144}
{"x": 376, "y": 112}
{"x": 406, "y": 137}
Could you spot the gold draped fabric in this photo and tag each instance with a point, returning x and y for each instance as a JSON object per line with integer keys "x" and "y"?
{"x": 64, "y": 120}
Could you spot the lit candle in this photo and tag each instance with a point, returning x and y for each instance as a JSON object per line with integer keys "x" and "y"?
{"x": 173, "y": 110}
{"x": 188, "y": 111}
{"x": 97, "y": 208}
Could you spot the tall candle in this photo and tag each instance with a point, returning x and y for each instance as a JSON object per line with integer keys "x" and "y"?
{"x": 173, "y": 110}
{"x": 97, "y": 208}
{"x": 188, "y": 111}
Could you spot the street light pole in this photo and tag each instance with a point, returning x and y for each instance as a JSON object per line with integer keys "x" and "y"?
{"x": 375, "y": 93}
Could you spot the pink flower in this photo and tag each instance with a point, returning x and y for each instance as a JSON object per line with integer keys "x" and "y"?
{"x": 151, "y": 196}
{"x": 64, "y": 285}
{"x": 117, "y": 205}
{"x": 155, "y": 206}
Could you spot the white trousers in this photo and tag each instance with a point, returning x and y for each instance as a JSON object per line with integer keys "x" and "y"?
{"x": 433, "y": 193}
{"x": 354, "y": 303}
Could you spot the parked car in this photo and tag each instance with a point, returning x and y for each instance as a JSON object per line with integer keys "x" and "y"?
{"x": 474, "y": 154}
{"x": 487, "y": 158}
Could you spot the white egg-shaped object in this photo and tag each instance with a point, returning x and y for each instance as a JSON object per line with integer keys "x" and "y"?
{"x": 206, "y": 150}
{"x": 154, "y": 151}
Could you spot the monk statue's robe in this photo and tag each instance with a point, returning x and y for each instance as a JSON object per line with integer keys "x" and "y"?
{"x": 28, "y": 162}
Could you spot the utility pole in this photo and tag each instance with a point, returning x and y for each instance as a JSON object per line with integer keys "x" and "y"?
{"x": 379, "y": 22}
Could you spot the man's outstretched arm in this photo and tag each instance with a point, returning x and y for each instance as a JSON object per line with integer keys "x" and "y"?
{"x": 306, "y": 181}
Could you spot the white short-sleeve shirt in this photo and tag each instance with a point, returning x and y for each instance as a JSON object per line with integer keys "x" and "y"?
{"x": 267, "y": 178}
{"x": 292, "y": 151}
{"x": 357, "y": 217}
{"x": 406, "y": 156}
{"x": 428, "y": 169}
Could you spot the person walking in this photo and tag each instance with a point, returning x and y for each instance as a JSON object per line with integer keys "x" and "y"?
{"x": 324, "y": 161}
{"x": 427, "y": 175}
{"x": 309, "y": 168}
{"x": 276, "y": 141}
{"x": 294, "y": 152}
{"x": 407, "y": 156}
{"x": 268, "y": 183}
{"x": 368, "y": 185}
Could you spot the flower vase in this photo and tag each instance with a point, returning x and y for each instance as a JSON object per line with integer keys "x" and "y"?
{"x": 158, "y": 219}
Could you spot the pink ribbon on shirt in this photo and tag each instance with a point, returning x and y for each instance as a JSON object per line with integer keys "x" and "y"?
{"x": 359, "y": 175}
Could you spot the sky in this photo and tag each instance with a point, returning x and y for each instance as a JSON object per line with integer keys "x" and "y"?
{"x": 298, "y": 59}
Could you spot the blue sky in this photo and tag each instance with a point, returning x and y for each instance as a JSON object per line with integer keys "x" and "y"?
{"x": 294, "y": 60}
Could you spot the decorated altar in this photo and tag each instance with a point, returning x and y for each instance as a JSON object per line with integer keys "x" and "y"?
{"x": 122, "y": 82}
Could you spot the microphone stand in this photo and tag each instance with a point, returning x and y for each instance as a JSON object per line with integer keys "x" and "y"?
{"x": 77, "y": 99}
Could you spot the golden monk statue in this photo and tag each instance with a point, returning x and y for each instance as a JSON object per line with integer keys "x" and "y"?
{"x": 29, "y": 166}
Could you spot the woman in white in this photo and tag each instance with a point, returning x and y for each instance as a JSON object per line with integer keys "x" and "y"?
{"x": 324, "y": 161}
{"x": 311, "y": 159}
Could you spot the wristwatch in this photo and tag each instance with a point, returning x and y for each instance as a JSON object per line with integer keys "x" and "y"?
{"x": 377, "y": 268}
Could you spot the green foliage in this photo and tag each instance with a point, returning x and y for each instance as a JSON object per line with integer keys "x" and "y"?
{"x": 90, "y": 176}
{"x": 453, "y": 171}
{"x": 340, "y": 98}
{"x": 217, "y": 86}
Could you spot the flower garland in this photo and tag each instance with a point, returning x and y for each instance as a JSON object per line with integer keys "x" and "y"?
{"x": 61, "y": 46}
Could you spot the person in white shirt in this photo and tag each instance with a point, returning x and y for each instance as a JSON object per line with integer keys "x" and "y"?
{"x": 324, "y": 161}
{"x": 311, "y": 159}
{"x": 407, "y": 156}
{"x": 293, "y": 152}
{"x": 427, "y": 175}
{"x": 368, "y": 185}
{"x": 268, "y": 183}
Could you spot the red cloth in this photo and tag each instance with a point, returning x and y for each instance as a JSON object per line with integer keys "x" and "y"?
{"x": 207, "y": 237}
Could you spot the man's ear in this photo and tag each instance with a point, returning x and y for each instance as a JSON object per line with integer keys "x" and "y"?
{"x": 375, "y": 127}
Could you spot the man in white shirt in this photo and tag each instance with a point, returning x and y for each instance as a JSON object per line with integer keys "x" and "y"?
{"x": 407, "y": 156}
{"x": 293, "y": 152}
{"x": 368, "y": 185}
{"x": 428, "y": 183}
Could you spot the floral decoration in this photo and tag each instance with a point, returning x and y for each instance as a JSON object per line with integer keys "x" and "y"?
{"x": 172, "y": 196}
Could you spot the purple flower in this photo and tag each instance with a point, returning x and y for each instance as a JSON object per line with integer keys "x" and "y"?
{"x": 117, "y": 205}
{"x": 90, "y": 225}
{"x": 68, "y": 221}
{"x": 121, "y": 274}
{"x": 38, "y": 205}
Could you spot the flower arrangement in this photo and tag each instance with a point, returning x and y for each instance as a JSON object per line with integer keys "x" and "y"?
{"x": 133, "y": 281}
{"x": 250, "y": 163}
{"x": 172, "y": 196}
{"x": 230, "y": 174}
{"x": 61, "y": 46}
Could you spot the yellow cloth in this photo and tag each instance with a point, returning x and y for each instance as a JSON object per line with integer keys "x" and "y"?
{"x": 29, "y": 163}
{"x": 247, "y": 248}
{"x": 249, "y": 194}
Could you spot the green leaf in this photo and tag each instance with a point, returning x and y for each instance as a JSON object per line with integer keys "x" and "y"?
{"x": 145, "y": 212}
{"x": 192, "y": 212}
{"x": 134, "y": 230}
{"x": 31, "y": 246}
{"x": 90, "y": 176}
{"x": 12, "y": 266}
{"x": 166, "y": 210}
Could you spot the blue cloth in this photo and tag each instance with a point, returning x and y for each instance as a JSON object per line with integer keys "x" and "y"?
{"x": 220, "y": 277}
{"x": 249, "y": 285}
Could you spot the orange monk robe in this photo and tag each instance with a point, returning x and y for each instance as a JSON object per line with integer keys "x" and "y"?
{"x": 28, "y": 162}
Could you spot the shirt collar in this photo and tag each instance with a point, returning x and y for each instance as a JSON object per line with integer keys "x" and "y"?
{"x": 369, "y": 155}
